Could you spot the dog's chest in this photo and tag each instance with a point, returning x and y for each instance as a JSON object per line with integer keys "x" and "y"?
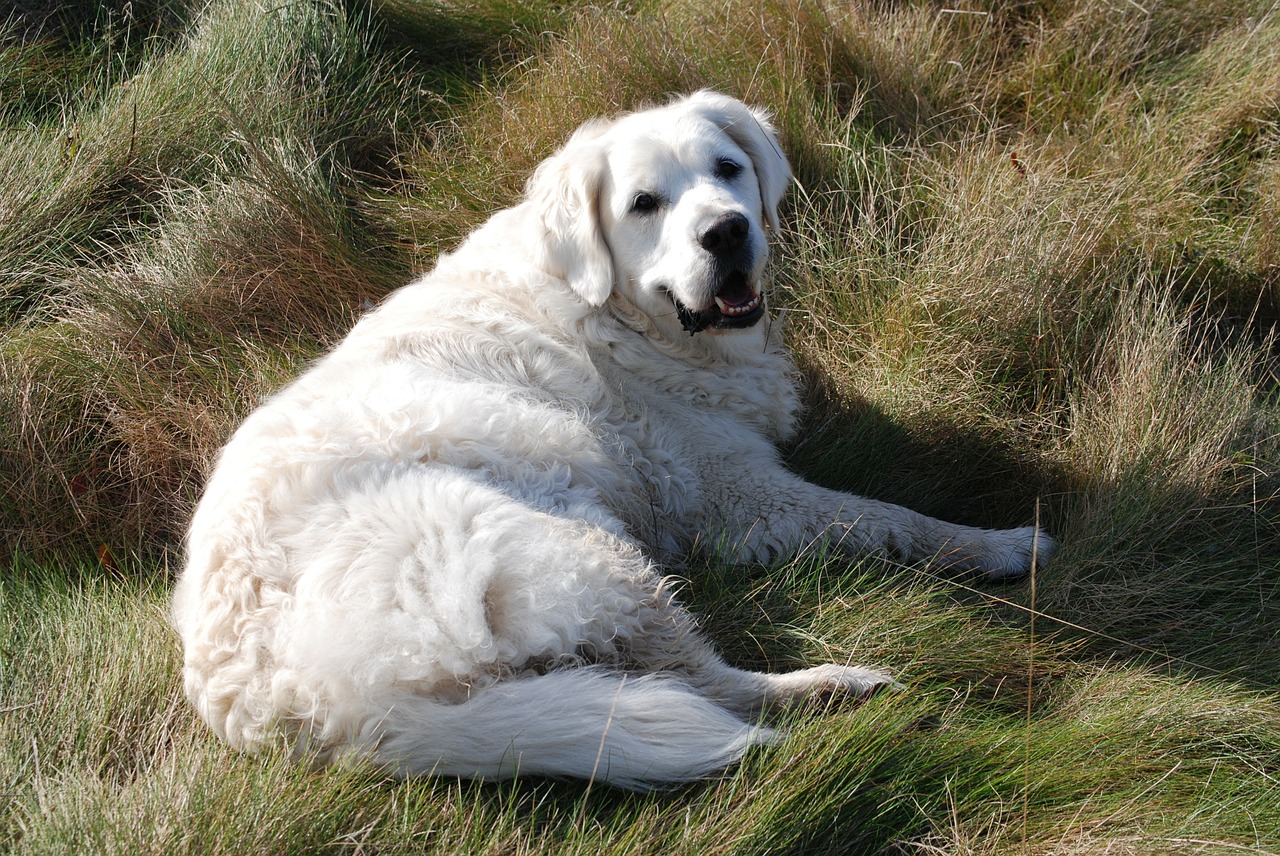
{"x": 666, "y": 438}
{"x": 658, "y": 488}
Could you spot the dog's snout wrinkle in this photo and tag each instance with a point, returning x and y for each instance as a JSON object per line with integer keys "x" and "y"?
{"x": 727, "y": 235}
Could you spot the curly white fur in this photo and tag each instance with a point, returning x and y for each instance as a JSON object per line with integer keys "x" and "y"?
{"x": 436, "y": 549}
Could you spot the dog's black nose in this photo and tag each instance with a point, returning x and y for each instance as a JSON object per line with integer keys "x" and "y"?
{"x": 726, "y": 235}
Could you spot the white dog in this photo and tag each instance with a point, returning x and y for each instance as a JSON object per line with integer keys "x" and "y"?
{"x": 439, "y": 549}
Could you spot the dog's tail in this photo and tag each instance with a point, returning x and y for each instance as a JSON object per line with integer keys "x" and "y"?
{"x": 631, "y": 731}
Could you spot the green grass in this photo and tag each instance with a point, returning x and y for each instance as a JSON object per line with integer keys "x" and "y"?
{"x": 1031, "y": 265}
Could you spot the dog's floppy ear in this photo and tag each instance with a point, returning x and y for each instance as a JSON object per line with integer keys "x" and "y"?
{"x": 755, "y": 134}
{"x": 565, "y": 190}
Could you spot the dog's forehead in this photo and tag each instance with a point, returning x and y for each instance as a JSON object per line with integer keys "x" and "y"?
{"x": 653, "y": 148}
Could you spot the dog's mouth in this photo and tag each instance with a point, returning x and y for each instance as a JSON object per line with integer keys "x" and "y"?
{"x": 737, "y": 304}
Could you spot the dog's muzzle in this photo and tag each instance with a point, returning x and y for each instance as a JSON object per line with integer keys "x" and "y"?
{"x": 737, "y": 304}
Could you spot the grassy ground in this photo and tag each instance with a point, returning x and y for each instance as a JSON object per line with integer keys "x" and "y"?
{"x": 1031, "y": 267}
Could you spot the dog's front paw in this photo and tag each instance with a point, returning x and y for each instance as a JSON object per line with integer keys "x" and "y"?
{"x": 1013, "y": 552}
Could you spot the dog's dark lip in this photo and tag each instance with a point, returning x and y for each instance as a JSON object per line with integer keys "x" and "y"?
{"x": 736, "y": 305}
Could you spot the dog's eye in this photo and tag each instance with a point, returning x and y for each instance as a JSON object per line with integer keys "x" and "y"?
{"x": 644, "y": 203}
{"x": 727, "y": 168}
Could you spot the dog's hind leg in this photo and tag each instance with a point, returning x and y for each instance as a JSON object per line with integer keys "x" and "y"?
{"x": 669, "y": 641}
{"x": 622, "y": 614}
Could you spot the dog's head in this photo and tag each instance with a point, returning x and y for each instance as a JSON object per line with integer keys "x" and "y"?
{"x": 667, "y": 206}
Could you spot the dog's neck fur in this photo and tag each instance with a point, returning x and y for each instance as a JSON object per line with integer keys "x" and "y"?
{"x": 752, "y": 362}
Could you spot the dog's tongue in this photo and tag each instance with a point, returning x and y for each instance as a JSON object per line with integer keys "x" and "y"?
{"x": 736, "y": 292}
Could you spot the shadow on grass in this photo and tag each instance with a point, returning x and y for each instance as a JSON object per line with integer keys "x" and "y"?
{"x": 937, "y": 468}
{"x": 470, "y": 42}
{"x": 1156, "y": 571}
